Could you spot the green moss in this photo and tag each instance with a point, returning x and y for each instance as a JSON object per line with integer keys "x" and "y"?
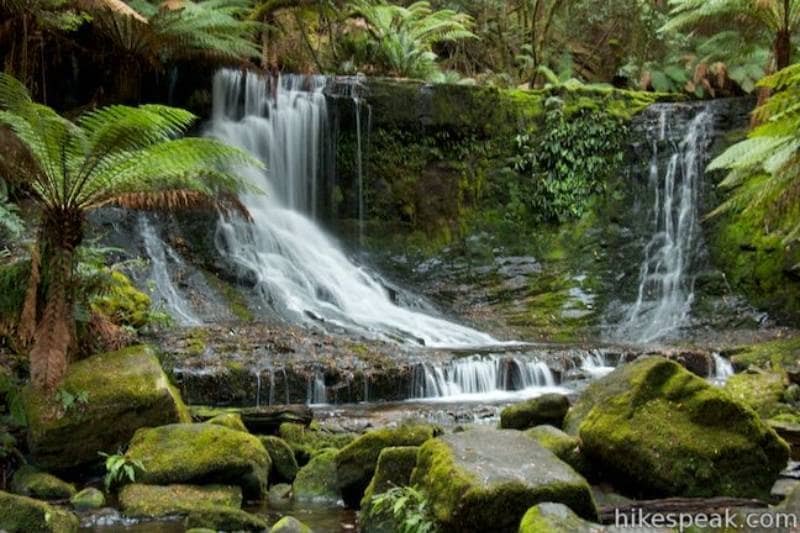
{"x": 284, "y": 463}
{"x": 316, "y": 481}
{"x": 777, "y": 354}
{"x": 565, "y": 447}
{"x": 154, "y": 501}
{"x": 289, "y": 524}
{"x": 30, "y": 481}
{"x": 21, "y": 514}
{"x": 229, "y": 420}
{"x": 546, "y": 409}
{"x": 126, "y": 390}
{"x": 659, "y": 430}
{"x": 190, "y": 453}
{"x": 222, "y": 518}
{"x": 124, "y": 303}
{"x": 762, "y": 392}
{"x": 87, "y": 499}
{"x": 394, "y": 469}
{"x": 554, "y": 518}
{"x": 356, "y": 462}
{"x": 235, "y": 300}
{"x": 306, "y": 442}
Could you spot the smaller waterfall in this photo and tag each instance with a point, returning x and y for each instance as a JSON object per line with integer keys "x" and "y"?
{"x": 165, "y": 294}
{"x": 595, "y": 365}
{"x": 316, "y": 394}
{"x": 480, "y": 378}
{"x": 666, "y": 285}
{"x": 723, "y": 369}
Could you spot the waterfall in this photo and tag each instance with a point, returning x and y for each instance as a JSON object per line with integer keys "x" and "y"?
{"x": 723, "y": 369}
{"x": 300, "y": 272}
{"x": 595, "y": 364}
{"x": 165, "y": 294}
{"x": 481, "y": 378}
{"x": 316, "y": 393}
{"x": 666, "y": 284}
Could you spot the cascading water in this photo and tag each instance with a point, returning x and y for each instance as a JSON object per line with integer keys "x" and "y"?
{"x": 666, "y": 284}
{"x": 723, "y": 369}
{"x": 166, "y": 295}
{"x": 299, "y": 271}
{"x": 491, "y": 378}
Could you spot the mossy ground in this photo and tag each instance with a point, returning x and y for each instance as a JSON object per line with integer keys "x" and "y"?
{"x": 776, "y": 354}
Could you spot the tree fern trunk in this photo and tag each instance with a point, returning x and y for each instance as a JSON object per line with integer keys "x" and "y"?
{"x": 783, "y": 49}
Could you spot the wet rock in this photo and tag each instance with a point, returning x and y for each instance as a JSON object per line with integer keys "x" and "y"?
{"x": 87, "y": 499}
{"x": 21, "y": 514}
{"x": 789, "y": 432}
{"x": 485, "y": 480}
{"x": 280, "y": 494}
{"x": 394, "y": 469}
{"x": 557, "y": 518}
{"x": 289, "y": 524}
{"x": 565, "y": 447}
{"x": 356, "y": 462}
{"x": 126, "y": 390}
{"x": 30, "y": 481}
{"x": 206, "y": 453}
{"x": 549, "y": 409}
{"x": 284, "y": 464}
{"x": 228, "y": 420}
{"x": 783, "y": 487}
{"x": 155, "y": 501}
{"x": 316, "y": 481}
{"x": 221, "y": 518}
{"x": 658, "y": 430}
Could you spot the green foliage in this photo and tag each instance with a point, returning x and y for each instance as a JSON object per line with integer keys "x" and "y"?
{"x": 120, "y": 470}
{"x": 69, "y": 400}
{"x": 123, "y": 303}
{"x": 772, "y": 149}
{"x": 565, "y": 162}
{"x": 409, "y": 508}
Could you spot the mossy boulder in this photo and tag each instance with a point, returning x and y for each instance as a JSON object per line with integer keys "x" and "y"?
{"x": 356, "y": 462}
{"x": 284, "y": 463}
{"x": 761, "y": 391}
{"x": 280, "y": 494}
{"x": 87, "y": 499}
{"x": 316, "y": 481}
{"x": 20, "y": 514}
{"x": 290, "y": 524}
{"x": 201, "y": 453}
{"x": 229, "y": 420}
{"x": 485, "y": 480}
{"x": 657, "y": 430}
{"x": 565, "y": 447}
{"x": 126, "y": 390}
{"x": 30, "y": 481}
{"x": 555, "y": 518}
{"x": 549, "y": 409}
{"x": 155, "y": 501}
{"x": 394, "y": 469}
{"x": 221, "y": 518}
{"x": 782, "y": 353}
{"x": 306, "y": 442}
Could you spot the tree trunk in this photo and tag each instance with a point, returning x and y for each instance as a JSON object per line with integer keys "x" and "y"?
{"x": 783, "y": 49}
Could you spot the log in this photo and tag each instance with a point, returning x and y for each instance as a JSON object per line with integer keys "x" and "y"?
{"x": 678, "y": 505}
{"x": 259, "y": 420}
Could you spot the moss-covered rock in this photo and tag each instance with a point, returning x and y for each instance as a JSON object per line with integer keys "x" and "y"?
{"x": 549, "y": 409}
{"x": 220, "y": 518}
{"x": 126, "y": 390}
{"x": 777, "y": 354}
{"x": 761, "y": 391}
{"x": 154, "y": 501}
{"x": 201, "y": 453}
{"x": 20, "y": 514}
{"x": 280, "y": 494}
{"x": 87, "y": 499}
{"x": 284, "y": 463}
{"x": 290, "y": 524}
{"x": 656, "y": 429}
{"x": 555, "y": 518}
{"x": 565, "y": 447}
{"x": 485, "y": 480}
{"x": 123, "y": 303}
{"x": 305, "y": 442}
{"x": 230, "y": 421}
{"x": 30, "y": 481}
{"x": 355, "y": 463}
{"x": 316, "y": 481}
{"x": 394, "y": 469}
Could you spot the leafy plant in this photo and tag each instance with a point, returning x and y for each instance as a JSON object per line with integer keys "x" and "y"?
{"x": 68, "y": 400}
{"x": 120, "y": 470}
{"x": 764, "y": 169}
{"x": 115, "y": 155}
{"x": 408, "y": 507}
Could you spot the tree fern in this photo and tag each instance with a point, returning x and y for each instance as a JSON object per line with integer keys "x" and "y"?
{"x": 130, "y": 156}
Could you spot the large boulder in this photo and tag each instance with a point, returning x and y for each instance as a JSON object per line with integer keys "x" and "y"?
{"x": 20, "y": 514}
{"x": 125, "y": 390}
{"x": 548, "y": 409}
{"x": 316, "y": 481}
{"x": 355, "y": 463}
{"x": 657, "y": 430}
{"x": 29, "y": 481}
{"x": 485, "y": 480}
{"x": 284, "y": 463}
{"x": 394, "y": 469}
{"x": 201, "y": 453}
{"x": 155, "y": 501}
